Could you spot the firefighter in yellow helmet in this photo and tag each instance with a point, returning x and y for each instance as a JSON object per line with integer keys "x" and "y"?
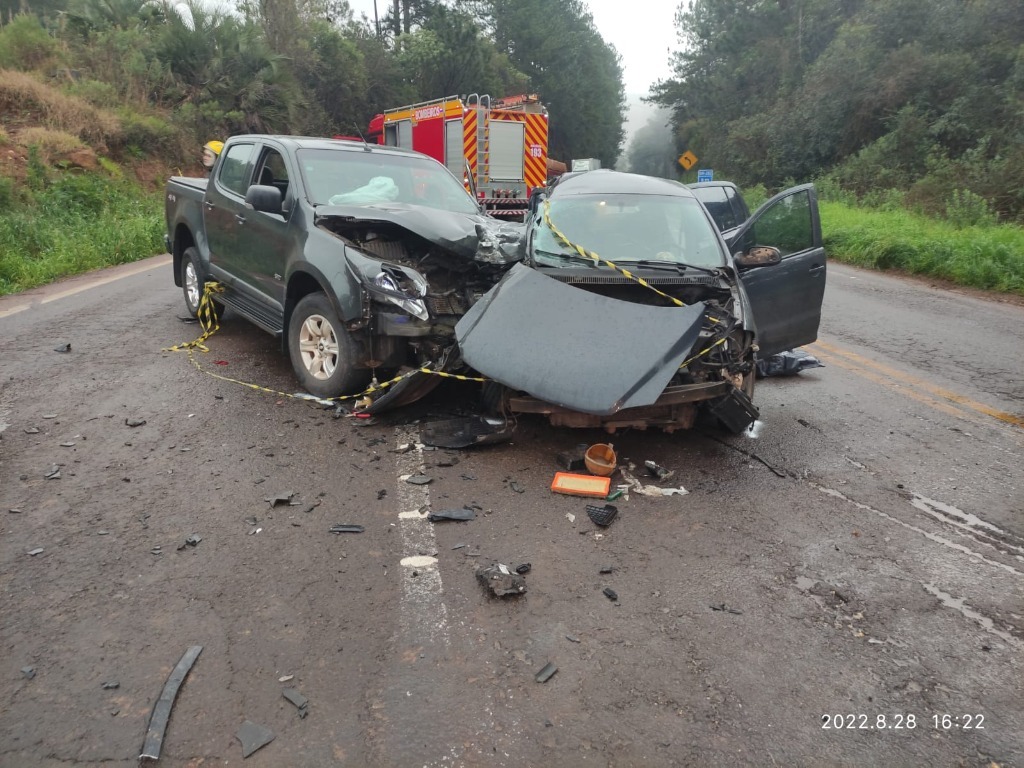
{"x": 211, "y": 150}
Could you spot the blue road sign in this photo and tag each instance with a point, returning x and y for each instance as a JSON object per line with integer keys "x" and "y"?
{"x": 705, "y": 174}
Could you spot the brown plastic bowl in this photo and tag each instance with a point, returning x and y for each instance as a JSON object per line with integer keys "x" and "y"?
{"x": 600, "y": 459}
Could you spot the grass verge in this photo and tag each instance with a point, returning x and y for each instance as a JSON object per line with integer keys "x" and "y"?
{"x": 987, "y": 257}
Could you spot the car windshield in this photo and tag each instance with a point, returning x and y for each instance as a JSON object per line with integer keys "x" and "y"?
{"x": 339, "y": 177}
{"x": 627, "y": 228}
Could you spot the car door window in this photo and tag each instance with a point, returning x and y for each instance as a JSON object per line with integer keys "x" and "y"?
{"x": 232, "y": 175}
{"x": 273, "y": 171}
{"x": 788, "y": 225}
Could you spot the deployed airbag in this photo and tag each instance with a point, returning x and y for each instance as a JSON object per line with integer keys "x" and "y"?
{"x": 573, "y": 348}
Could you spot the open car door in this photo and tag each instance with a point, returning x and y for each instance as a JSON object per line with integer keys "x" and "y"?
{"x": 785, "y": 297}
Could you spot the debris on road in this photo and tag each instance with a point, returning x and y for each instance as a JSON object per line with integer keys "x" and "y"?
{"x": 346, "y": 529}
{"x": 650, "y": 490}
{"x": 524, "y": 568}
{"x": 570, "y": 517}
{"x": 134, "y": 422}
{"x": 610, "y": 593}
{"x": 573, "y": 461}
{"x": 466, "y": 432}
{"x": 36, "y": 551}
{"x": 301, "y": 702}
{"x": 788, "y": 363}
{"x": 417, "y": 479}
{"x": 111, "y": 685}
{"x": 190, "y": 541}
{"x": 31, "y": 430}
{"x": 725, "y": 608}
{"x": 28, "y": 672}
{"x": 254, "y": 736}
{"x": 572, "y": 638}
{"x": 500, "y": 580}
{"x": 516, "y": 487}
{"x": 607, "y": 569}
{"x": 580, "y": 485}
{"x": 162, "y": 709}
{"x": 658, "y": 471}
{"x": 282, "y": 498}
{"x": 64, "y": 347}
{"x": 53, "y": 473}
{"x": 546, "y": 672}
{"x": 452, "y": 514}
{"x": 601, "y": 460}
{"x": 285, "y": 678}
{"x": 602, "y": 516}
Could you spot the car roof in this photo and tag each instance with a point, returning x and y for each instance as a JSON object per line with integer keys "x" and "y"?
{"x": 607, "y": 181}
{"x": 319, "y": 142}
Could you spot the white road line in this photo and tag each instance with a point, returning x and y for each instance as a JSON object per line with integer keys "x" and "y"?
{"x": 423, "y": 614}
{"x": 122, "y": 273}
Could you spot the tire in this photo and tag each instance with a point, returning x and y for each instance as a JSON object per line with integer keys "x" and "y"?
{"x": 322, "y": 352}
{"x": 193, "y": 280}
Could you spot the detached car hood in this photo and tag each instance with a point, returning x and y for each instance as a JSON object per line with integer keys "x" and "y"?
{"x": 468, "y": 236}
{"x": 573, "y": 348}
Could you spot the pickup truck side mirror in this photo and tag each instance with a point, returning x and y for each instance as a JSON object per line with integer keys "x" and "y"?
{"x": 264, "y": 198}
{"x": 758, "y": 256}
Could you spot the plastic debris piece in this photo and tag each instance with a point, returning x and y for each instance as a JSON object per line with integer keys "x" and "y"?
{"x": 53, "y": 473}
{"x": 301, "y": 702}
{"x": 600, "y": 459}
{"x": 68, "y": 444}
{"x": 580, "y": 485}
{"x": 285, "y": 678}
{"x": 36, "y": 551}
{"x": 32, "y": 430}
{"x": 787, "y": 363}
{"x": 572, "y": 638}
{"x": 516, "y": 487}
{"x": 465, "y": 432}
{"x": 658, "y": 471}
{"x": 193, "y": 539}
{"x": 570, "y": 517}
{"x": 602, "y": 515}
{"x": 282, "y": 498}
{"x": 346, "y": 529}
{"x": 134, "y": 422}
{"x": 524, "y": 568}
{"x": 610, "y": 593}
{"x": 607, "y": 569}
{"x": 615, "y": 494}
{"x": 573, "y": 461}
{"x": 65, "y": 347}
{"x": 501, "y": 580}
{"x": 253, "y": 736}
{"x": 726, "y": 609}
{"x": 459, "y": 546}
{"x": 650, "y": 490}
{"x": 452, "y": 514}
{"x": 162, "y": 709}
{"x": 546, "y": 673}
{"x": 111, "y": 685}
{"x": 28, "y": 672}
{"x": 419, "y": 480}
{"x": 49, "y": 415}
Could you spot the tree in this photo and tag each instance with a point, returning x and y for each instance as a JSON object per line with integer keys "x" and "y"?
{"x": 652, "y": 151}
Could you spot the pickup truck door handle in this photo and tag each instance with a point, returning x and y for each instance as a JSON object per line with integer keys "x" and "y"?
{"x": 240, "y": 218}
{"x": 209, "y": 206}
{"x": 816, "y": 269}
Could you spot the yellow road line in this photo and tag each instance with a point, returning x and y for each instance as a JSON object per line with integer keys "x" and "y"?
{"x": 85, "y": 285}
{"x": 888, "y": 376}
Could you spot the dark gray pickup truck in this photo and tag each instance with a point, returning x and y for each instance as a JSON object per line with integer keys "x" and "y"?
{"x": 356, "y": 257}
{"x": 618, "y": 304}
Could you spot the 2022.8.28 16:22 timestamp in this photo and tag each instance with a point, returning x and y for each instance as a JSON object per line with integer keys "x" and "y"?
{"x": 901, "y": 721}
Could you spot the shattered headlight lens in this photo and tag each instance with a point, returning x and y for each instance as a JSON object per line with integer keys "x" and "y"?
{"x": 403, "y": 288}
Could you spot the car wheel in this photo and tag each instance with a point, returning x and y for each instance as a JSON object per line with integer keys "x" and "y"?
{"x": 323, "y": 353}
{"x": 193, "y": 281}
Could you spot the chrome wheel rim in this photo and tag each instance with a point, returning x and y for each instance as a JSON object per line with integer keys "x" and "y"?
{"x": 192, "y": 285}
{"x": 318, "y": 347}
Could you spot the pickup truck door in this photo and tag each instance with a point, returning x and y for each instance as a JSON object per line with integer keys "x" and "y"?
{"x": 785, "y": 298}
{"x": 224, "y": 210}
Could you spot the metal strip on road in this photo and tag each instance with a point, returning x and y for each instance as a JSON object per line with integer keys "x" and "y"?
{"x": 87, "y": 282}
{"x": 865, "y": 367}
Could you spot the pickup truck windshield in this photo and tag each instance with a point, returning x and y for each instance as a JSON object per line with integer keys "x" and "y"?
{"x": 628, "y": 228}
{"x": 335, "y": 177}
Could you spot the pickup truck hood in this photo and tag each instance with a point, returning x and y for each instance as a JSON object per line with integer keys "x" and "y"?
{"x": 574, "y": 348}
{"x": 468, "y": 236}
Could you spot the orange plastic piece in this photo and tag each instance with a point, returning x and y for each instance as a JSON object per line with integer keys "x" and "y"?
{"x": 581, "y": 485}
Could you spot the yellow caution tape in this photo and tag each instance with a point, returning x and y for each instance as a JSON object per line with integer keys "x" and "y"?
{"x": 207, "y": 317}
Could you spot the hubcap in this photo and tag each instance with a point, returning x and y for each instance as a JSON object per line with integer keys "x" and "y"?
{"x": 192, "y": 285}
{"x": 318, "y": 347}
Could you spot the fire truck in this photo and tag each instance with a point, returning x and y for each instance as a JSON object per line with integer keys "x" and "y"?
{"x": 499, "y": 147}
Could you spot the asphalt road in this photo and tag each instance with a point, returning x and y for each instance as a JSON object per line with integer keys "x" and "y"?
{"x": 844, "y": 585}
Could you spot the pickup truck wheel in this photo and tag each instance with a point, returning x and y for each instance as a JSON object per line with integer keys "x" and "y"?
{"x": 322, "y": 352}
{"x": 192, "y": 282}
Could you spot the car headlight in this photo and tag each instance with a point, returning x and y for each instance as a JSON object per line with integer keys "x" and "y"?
{"x": 402, "y": 287}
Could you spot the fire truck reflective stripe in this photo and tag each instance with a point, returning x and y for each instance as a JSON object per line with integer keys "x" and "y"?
{"x": 469, "y": 138}
{"x": 536, "y": 169}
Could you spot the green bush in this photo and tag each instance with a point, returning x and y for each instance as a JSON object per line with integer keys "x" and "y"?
{"x": 966, "y": 209}
{"x": 25, "y": 45}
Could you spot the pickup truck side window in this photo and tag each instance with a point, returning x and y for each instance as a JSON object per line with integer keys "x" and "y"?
{"x": 273, "y": 171}
{"x": 234, "y": 167}
{"x": 787, "y": 225}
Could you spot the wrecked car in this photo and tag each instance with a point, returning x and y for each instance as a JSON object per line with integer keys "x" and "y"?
{"x": 359, "y": 258}
{"x": 630, "y": 308}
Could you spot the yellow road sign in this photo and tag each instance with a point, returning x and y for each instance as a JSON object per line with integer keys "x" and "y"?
{"x": 687, "y": 160}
